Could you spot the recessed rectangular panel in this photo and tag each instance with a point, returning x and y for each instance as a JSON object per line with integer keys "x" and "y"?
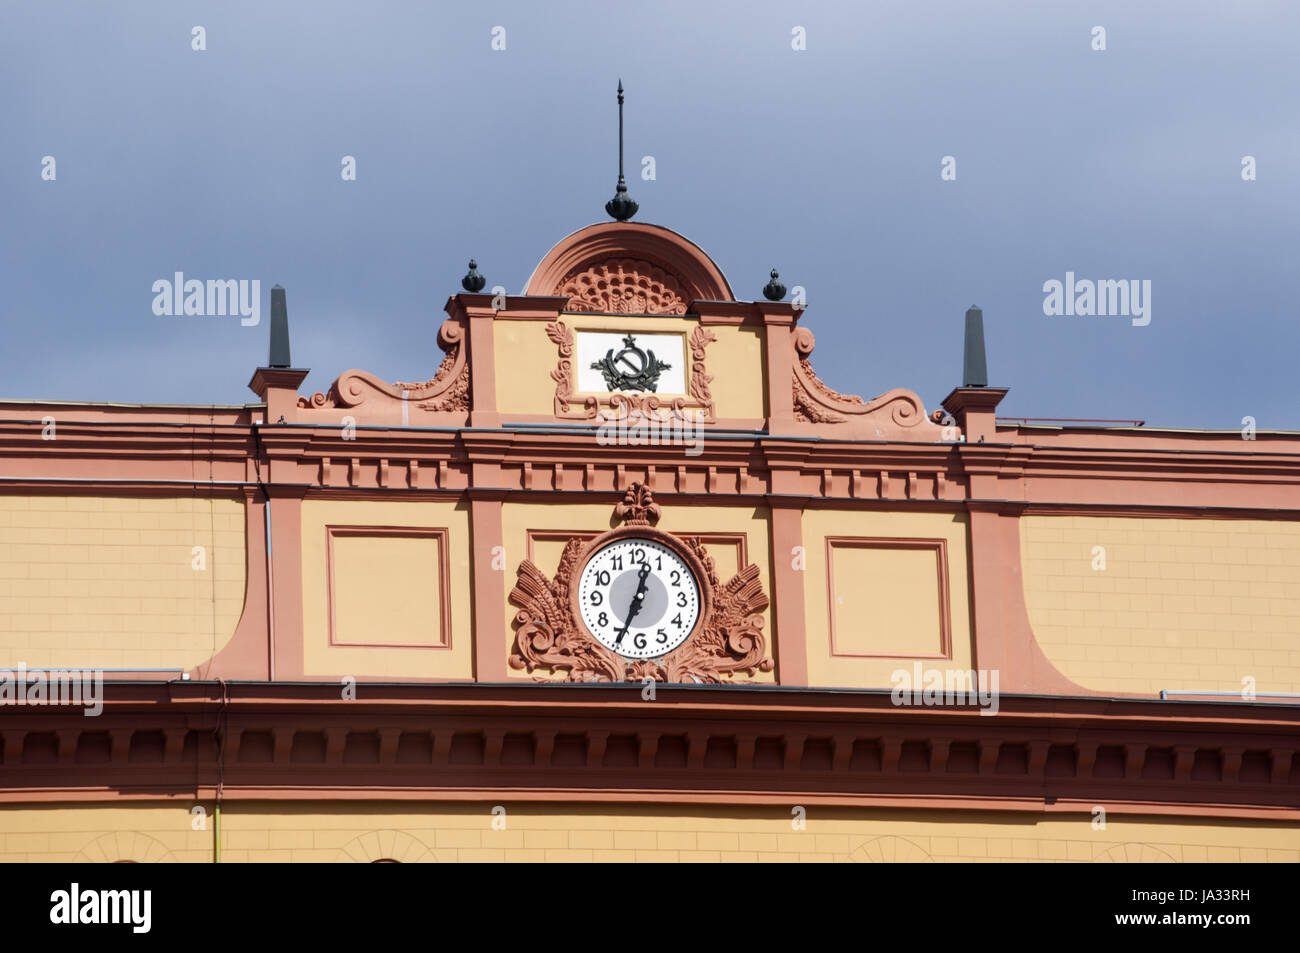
{"x": 388, "y": 587}
{"x": 888, "y": 597}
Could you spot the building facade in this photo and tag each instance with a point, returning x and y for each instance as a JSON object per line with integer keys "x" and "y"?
{"x": 624, "y": 579}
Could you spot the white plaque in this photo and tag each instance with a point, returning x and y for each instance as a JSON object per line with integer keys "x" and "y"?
{"x": 595, "y": 346}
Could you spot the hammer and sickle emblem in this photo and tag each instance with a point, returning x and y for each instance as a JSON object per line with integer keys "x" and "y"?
{"x": 631, "y": 368}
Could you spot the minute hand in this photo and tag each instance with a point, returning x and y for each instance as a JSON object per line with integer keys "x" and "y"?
{"x": 637, "y": 598}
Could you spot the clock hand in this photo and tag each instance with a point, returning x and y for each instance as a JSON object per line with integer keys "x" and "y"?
{"x": 635, "y": 607}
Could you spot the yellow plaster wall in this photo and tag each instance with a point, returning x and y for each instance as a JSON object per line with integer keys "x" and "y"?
{"x": 739, "y": 371}
{"x": 525, "y": 357}
{"x": 1181, "y": 603}
{"x": 388, "y": 569}
{"x": 334, "y": 832}
{"x": 108, "y": 582}
{"x": 518, "y": 519}
{"x": 893, "y": 594}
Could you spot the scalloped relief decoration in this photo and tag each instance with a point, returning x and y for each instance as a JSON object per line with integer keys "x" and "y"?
{"x": 624, "y": 286}
{"x": 895, "y": 415}
{"x": 446, "y": 392}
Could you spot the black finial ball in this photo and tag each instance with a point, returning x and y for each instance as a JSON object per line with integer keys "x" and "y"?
{"x": 621, "y": 207}
{"x": 473, "y": 281}
{"x": 774, "y": 290}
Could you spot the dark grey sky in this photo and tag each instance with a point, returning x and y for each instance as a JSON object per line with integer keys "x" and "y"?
{"x": 824, "y": 163}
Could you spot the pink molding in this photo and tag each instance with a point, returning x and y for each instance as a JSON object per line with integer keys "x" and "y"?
{"x": 287, "y": 660}
{"x": 789, "y": 629}
{"x": 489, "y": 587}
{"x": 974, "y": 408}
{"x": 247, "y": 655}
{"x": 278, "y": 387}
{"x": 384, "y": 532}
{"x": 1004, "y": 638}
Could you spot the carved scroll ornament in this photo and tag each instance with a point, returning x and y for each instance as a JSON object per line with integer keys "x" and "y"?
{"x": 446, "y": 391}
{"x": 895, "y": 413}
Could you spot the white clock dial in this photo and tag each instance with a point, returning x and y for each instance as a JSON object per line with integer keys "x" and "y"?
{"x": 638, "y": 597}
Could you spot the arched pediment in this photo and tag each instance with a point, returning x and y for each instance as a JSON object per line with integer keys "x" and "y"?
{"x": 628, "y": 268}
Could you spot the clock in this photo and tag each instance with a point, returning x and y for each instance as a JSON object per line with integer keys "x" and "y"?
{"x": 639, "y": 593}
{"x": 638, "y": 603}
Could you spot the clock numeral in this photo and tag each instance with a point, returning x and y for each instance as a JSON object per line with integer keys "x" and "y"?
{"x": 659, "y": 561}
{"x": 663, "y": 637}
{"x": 596, "y": 597}
{"x": 602, "y": 578}
{"x": 681, "y": 599}
{"x": 677, "y": 578}
{"x": 602, "y": 619}
{"x": 677, "y": 620}
{"x": 615, "y": 562}
{"x": 639, "y": 641}
{"x": 638, "y": 556}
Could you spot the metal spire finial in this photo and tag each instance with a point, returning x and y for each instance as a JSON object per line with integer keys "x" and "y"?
{"x": 620, "y": 207}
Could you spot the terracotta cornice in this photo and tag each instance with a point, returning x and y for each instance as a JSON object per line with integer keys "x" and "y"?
{"x": 200, "y": 437}
{"x": 517, "y": 307}
{"x": 961, "y": 399}
{"x": 1183, "y": 461}
{"x": 283, "y": 377}
{"x": 121, "y": 456}
{"x": 778, "y": 313}
{"x": 1165, "y": 511}
{"x": 278, "y": 387}
{"x": 1006, "y": 459}
{"x": 734, "y": 313}
{"x": 974, "y": 409}
{"x": 716, "y": 745}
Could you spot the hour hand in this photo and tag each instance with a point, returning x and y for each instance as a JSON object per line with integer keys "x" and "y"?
{"x": 635, "y": 607}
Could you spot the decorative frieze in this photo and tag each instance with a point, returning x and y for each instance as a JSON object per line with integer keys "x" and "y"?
{"x": 848, "y": 748}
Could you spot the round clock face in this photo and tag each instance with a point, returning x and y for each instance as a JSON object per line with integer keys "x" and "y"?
{"x": 638, "y": 597}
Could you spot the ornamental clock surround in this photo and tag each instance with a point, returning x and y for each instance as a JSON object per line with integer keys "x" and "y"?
{"x": 667, "y": 615}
